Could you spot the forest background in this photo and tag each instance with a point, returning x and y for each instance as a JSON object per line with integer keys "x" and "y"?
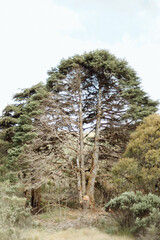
{"x": 88, "y": 130}
{"x": 63, "y": 142}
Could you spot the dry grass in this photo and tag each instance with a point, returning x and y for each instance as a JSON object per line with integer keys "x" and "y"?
{"x": 74, "y": 234}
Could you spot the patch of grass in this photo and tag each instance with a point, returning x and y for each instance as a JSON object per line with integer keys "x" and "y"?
{"x": 60, "y": 213}
{"x": 78, "y": 234}
{"x": 107, "y": 226}
{"x": 57, "y": 215}
{"x": 110, "y": 226}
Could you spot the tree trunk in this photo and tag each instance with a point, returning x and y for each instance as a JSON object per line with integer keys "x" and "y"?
{"x": 35, "y": 200}
{"x": 79, "y": 182}
{"x": 81, "y": 142}
{"x": 80, "y": 158}
{"x": 95, "y": 156}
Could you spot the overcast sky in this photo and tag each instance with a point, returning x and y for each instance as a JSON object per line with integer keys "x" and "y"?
{"x": 36, "y": 34}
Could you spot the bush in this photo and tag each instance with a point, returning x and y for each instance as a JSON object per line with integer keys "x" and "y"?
{"x": 153, "y": 232}
{"x": 13, "y": 214}
{"x": 135, "y": 211}
{"x": 139, "y": 167}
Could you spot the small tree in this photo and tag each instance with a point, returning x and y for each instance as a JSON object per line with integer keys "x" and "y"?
{"x": 140, "y": 167}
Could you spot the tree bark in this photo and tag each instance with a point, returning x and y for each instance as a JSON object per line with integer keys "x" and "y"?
{"x": 81, "y": 142}
{"x": 79, "y": 182}
{"x": 35, "y": 200}
{"x": 95, "y": 155}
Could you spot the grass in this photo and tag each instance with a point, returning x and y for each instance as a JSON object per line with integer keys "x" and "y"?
{"x": 74, "y": 234}
{"x": 57, "y": 215}
{"x": 101, "y": 229}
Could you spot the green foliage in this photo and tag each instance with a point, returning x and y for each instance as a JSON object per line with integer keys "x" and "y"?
{"x": 17, "y": 123}
{"x": 125, "y": 175}
{"x": 4, "y": 146}
{"x": 153, "y": 232}
{"x": 111, "y": 73}
{"x": 135, "y": 211}
{"x": 4, "y": 122}
{"x": 140, "y": 167}
{"x": 14, "y": 216}
{"x": 119, "y": 82}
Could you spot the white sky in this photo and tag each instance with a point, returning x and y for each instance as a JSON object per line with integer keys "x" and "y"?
{"x": 36, "y": 34}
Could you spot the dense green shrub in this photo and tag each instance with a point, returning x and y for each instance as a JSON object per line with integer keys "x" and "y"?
{"x": 153, "y": 232}
{"x": 139, "y": 167}
{"x": 135, "y": 211}
{"x": 14, "y": 216}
